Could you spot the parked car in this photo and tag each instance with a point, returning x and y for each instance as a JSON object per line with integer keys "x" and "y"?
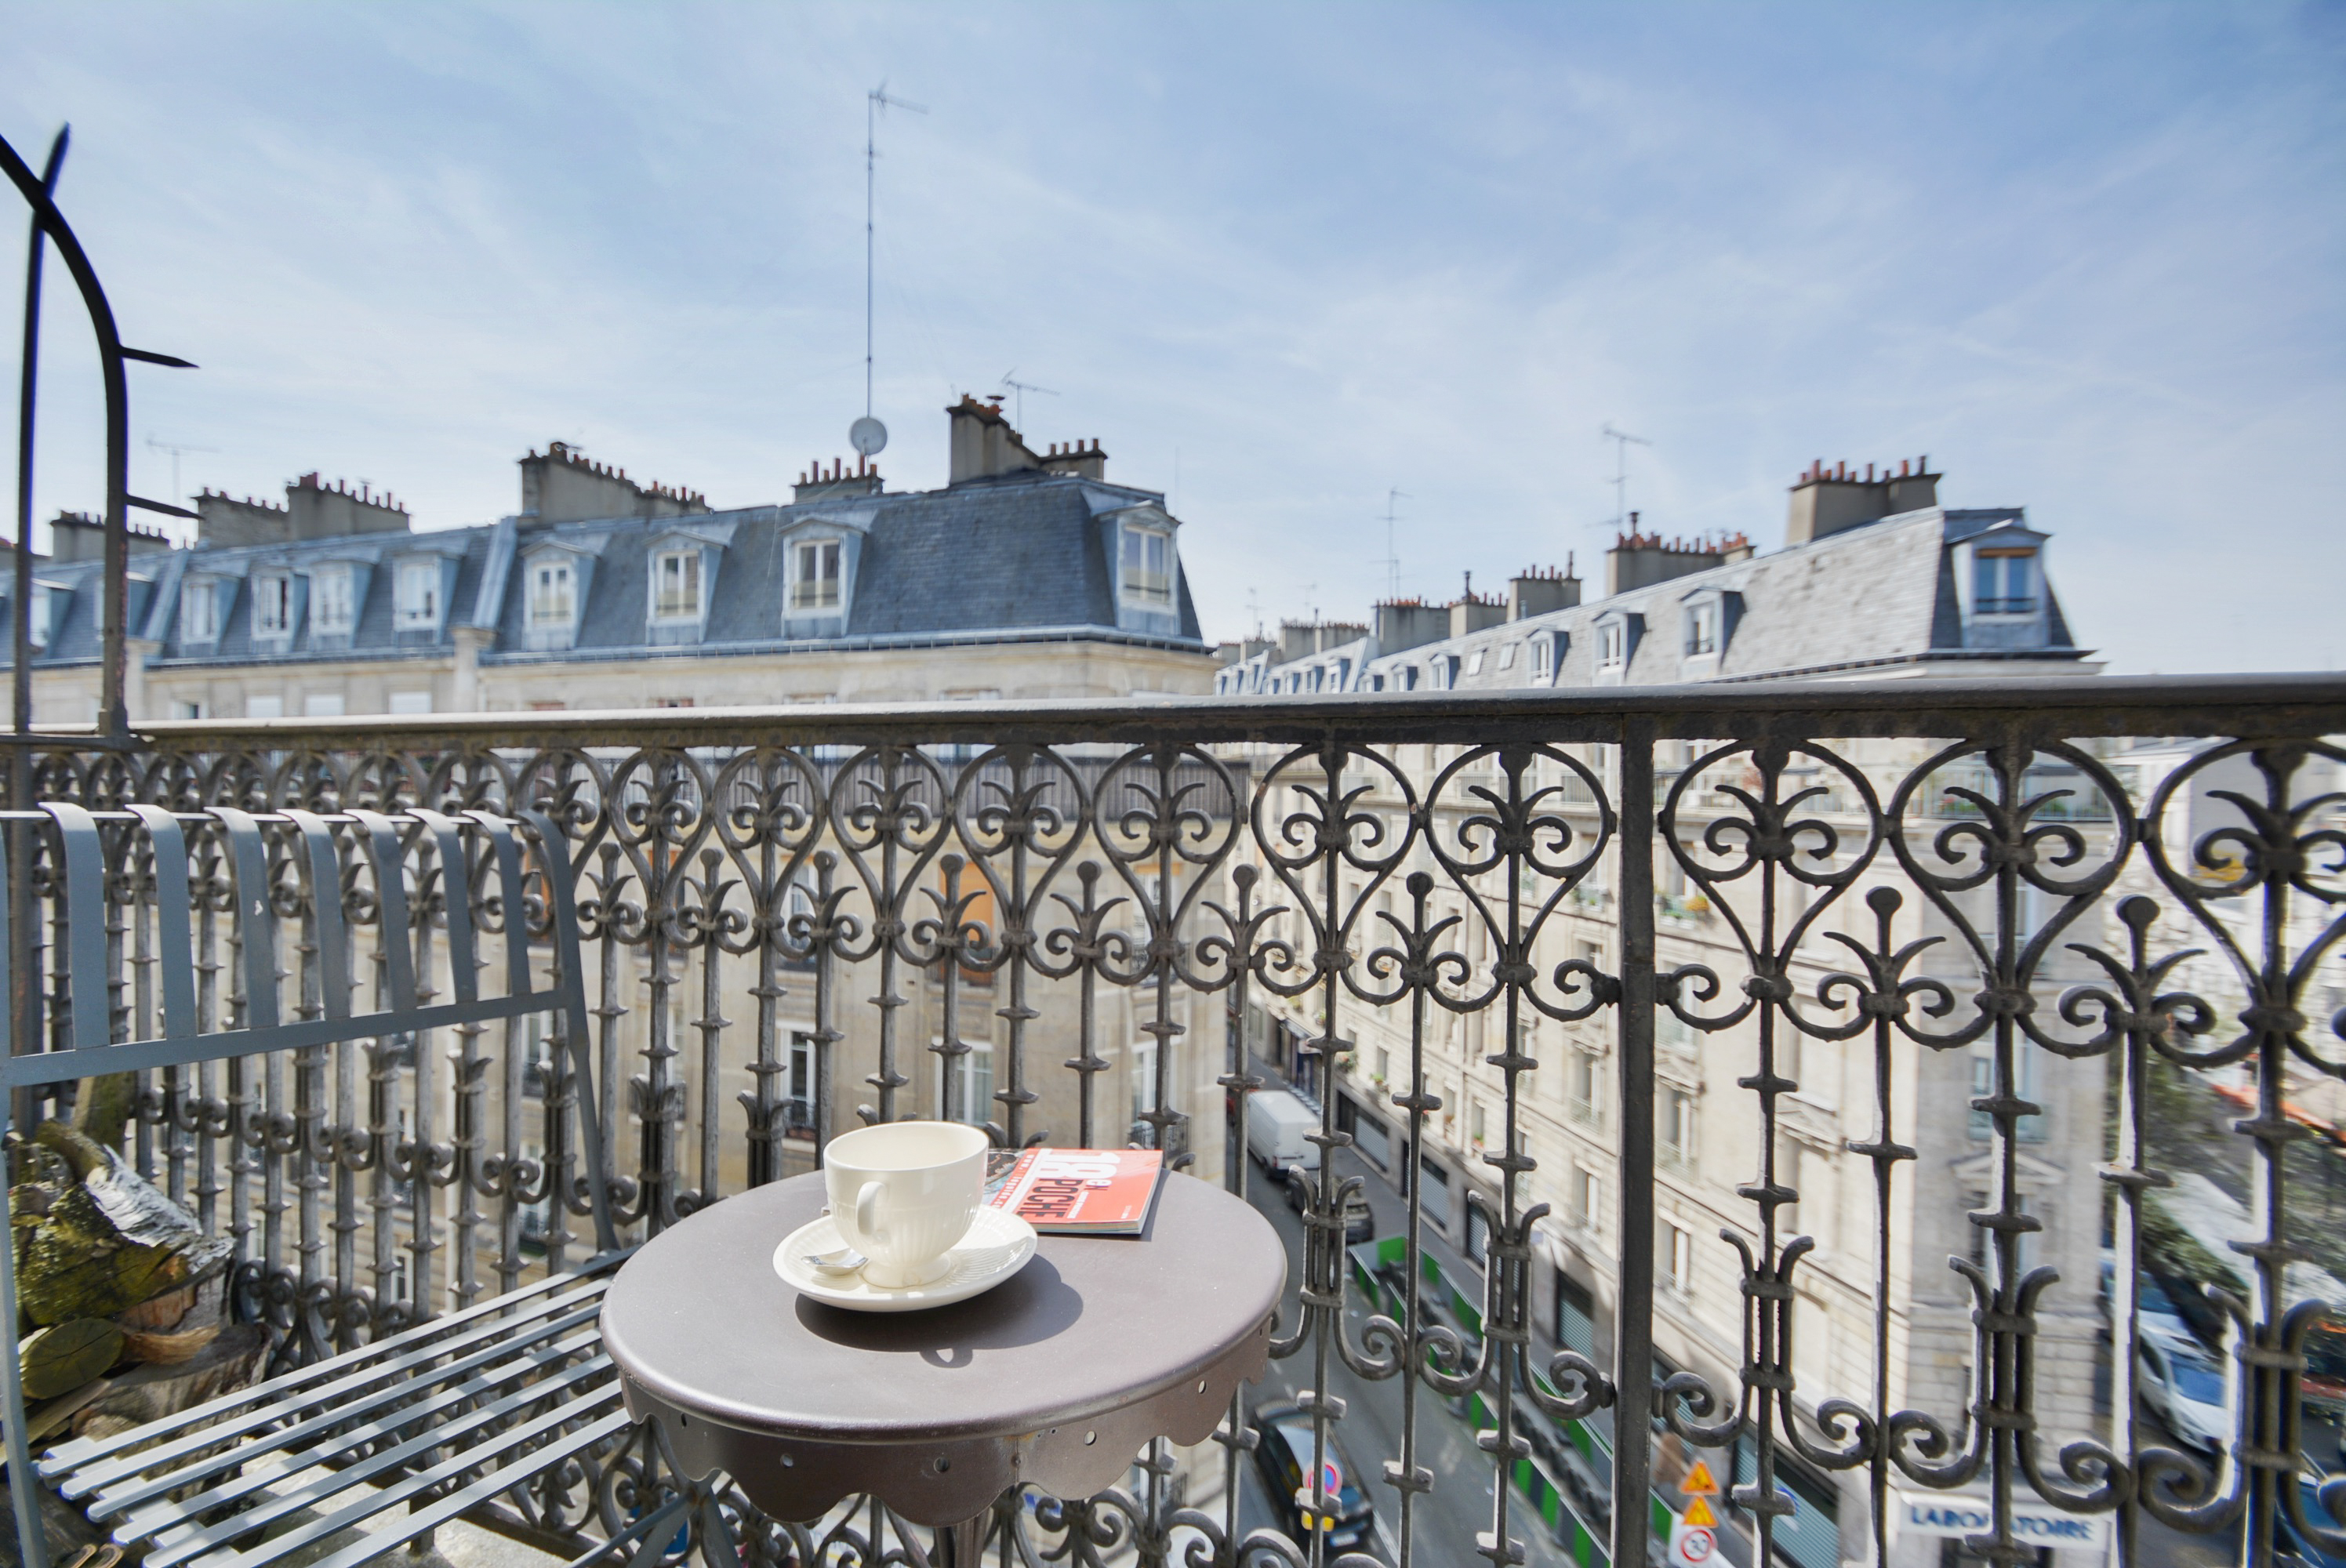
{"x": 1360, "y": 1223}
{"x": 1283, "y": 1449}
{"x": 2184, "y": 1385}
{"x": 1278, "y": 1129}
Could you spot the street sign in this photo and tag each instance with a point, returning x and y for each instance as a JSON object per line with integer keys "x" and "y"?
{"x": 1698, "y": 1482}
{"x": 1699, "y": 1514}
{"x": 1692, "y": 1545}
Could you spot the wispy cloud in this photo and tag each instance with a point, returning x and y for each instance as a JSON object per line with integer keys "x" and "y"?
{"x": 2086, "y": 257}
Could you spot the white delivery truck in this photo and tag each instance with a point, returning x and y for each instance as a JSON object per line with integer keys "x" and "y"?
{"x": 1276, "y": 1129}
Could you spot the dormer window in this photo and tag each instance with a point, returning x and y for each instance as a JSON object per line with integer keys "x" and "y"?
{"x": 552, "y": 594}
{"x": 199, "y": 612}
{"x": 1148, "y": 567}
{"x": 1543, "y": 661}
{"x": 2003, "y": 582}
{"x": 1475, "y": 662}
{"x": 676, "y": 586}
{"x": 1702, "y": 631}
{"x": 415, "y": 599}
{"x": 814, "y": 580}
{"x": 331, "y": 611}
{"x": 272, "y": 605}
{"x": 44, "y": 610}
{"x": 1612, "y": 645}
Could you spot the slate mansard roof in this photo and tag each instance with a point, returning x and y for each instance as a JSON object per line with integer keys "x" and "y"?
{"x": 1028, "y": 557}
{"x": 1871, "y": 599}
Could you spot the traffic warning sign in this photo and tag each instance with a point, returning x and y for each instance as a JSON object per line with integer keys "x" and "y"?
{"x": 1698, "y": 1516}
{"x": 1698, "y": 1482}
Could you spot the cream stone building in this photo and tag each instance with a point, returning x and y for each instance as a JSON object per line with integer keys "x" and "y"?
{"x": 1876, "y": 579}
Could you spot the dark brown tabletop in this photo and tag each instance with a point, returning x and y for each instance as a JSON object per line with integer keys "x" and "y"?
{"x": 1057, "y": 1377}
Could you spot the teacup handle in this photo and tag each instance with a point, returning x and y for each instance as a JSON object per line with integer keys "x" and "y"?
{"x": 867, "y": 1207}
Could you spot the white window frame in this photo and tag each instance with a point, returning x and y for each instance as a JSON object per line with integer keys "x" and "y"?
{"x": 411, "y": 702}
{"x": 333, "y": 588}
{"x": 409, "y": 613}
{"x": 200, "y": 611}
{"x": 264, "y": 705}
{"x": 818, "y": 574}
{"x": 1142, "y": 583}
{"x": 1613, "y": 646}
{"x": 552, "y": 592}
{"x": 1677, "y": 1258}
{"x": 668, "y": 606}
{"x": 323, "y": 704}
{"x": 2004, "y": 563}
{"x": 1507, "y": 656}
{"x": 1475, "y": 662}
{"x": 272, "y": 592}
{"x": 1703, "y": 630}
{"x": 1544, "y": 658}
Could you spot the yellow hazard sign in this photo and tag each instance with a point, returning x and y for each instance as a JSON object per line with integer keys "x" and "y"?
{"x": 1698, "y": 1514}
{"x": 1698, "y": 1482}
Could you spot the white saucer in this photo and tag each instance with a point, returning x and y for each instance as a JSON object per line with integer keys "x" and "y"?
{"x": 998, "y": 1245}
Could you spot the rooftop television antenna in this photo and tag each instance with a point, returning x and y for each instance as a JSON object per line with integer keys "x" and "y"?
{"x": 1019, "y": 390}
{"x": 867, "y": 434}
{"x": 1621, "y": 440}
{"x": 176, "y": 452}
{"x": 1392, "y": 557}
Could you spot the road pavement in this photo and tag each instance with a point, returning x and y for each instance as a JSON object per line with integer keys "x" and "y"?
{"x": 1447, "y": 1519}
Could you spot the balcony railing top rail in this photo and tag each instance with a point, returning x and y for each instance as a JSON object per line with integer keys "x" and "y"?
{"x": 948, "y": 900}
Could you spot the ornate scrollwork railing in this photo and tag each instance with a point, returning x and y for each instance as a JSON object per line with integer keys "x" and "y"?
{"x": 1919, "y": 971}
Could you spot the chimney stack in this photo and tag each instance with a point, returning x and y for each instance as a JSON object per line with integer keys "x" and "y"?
{"x": 1829, "y": 501}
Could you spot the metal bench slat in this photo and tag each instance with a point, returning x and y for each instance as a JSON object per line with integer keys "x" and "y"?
{"x": 456, "y": 1326}
{"x": 167, "y": 1546}
{"x": 116, "y": 1502}
{"x": 110, "y": 1499}
{"x": 535, "y": 1462}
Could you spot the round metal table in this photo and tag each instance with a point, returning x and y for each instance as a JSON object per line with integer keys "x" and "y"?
{"x": 1056, "y": 1379}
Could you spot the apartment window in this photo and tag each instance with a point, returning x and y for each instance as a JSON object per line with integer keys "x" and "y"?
{"x": 676, "y": 586}
{"x": 1676, "y": 1109}
{"x": 322, "y": 705}
{"x": 798, "y": 1108}
{"x": 1507, "y": 656}
{"x": 1677, "y": 1257}
{"x": 186, "y": 710}
{"x": 1585, "y": 1193}
{"x": 272, "y": 605}
{"x": 1148, "y": 567}
{"x": 973, "y": 1081}
{"x": 1587, "y": 1109}
{"x": 330, "y": 600}
{"x": 269, "y": 706}
{"x": 815, "y": 586}
{"x": 416, "y": 599}
{"x": 199, "y": 613}
{"x": 1703, "y": 630}
{"x": 1542, "y": 657}
{"x": 2003, "y": 582}
{"x": 1475, "y": 662}
{"x": 551, "y": 599}
{"x": 411, "y": 702}
{"x": 1612, "y": 645}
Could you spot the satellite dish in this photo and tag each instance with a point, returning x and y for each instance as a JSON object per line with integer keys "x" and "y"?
{"x": 867, "y": 435}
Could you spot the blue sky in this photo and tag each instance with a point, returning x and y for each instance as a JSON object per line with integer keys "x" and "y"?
{"x": 2091, "y": 259}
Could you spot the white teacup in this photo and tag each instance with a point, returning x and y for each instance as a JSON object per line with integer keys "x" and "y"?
{"x": 903, "y": 1193}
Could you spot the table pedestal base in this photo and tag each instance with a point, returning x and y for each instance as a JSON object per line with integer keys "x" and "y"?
{"x": 959, "y": 1545}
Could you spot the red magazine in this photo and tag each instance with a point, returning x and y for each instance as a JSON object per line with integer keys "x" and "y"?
{"x": 1077, "y": 1192}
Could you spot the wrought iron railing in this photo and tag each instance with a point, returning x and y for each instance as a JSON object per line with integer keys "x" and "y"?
{"x": 1063, "y": 920}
